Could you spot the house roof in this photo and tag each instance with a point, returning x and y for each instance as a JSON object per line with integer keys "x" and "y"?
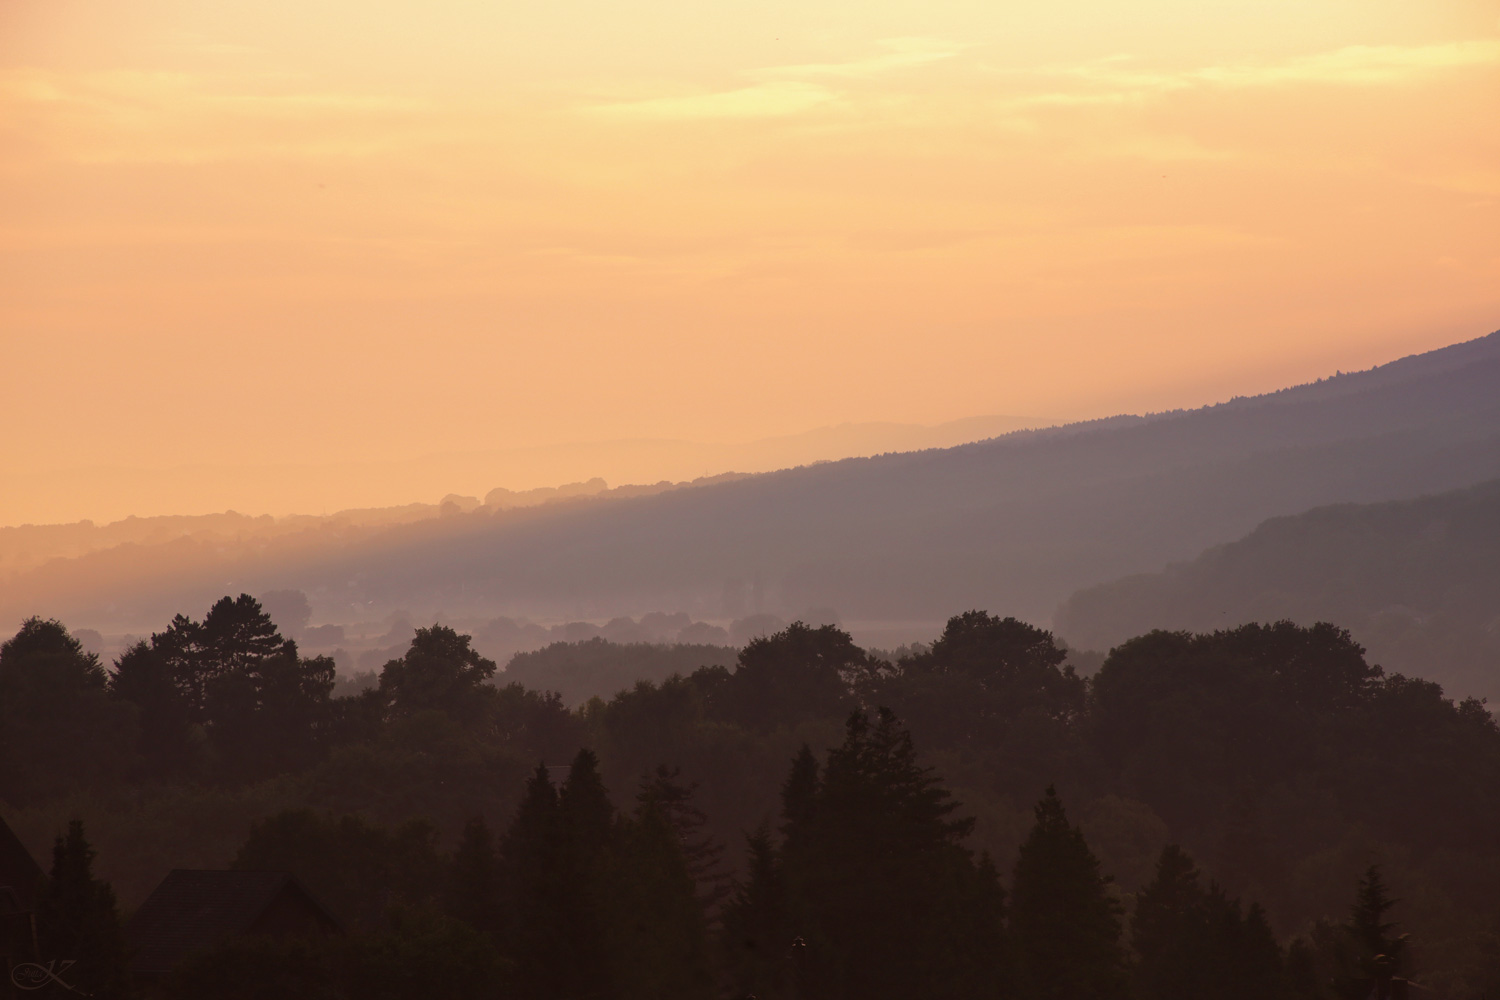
{"x": 10, "y": 903}
{"x": 18, "y": 869}
{"x": 193, "y": 909}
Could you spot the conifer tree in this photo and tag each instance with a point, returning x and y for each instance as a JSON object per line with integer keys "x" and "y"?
{"x": 1166, "y": 930}
{"x": 474, "y": 880}
{"x": 799, "y": 796}
{"x": 1193, "y": 942}
{"x": 584, "y": 808}
{"x": 701, "y": 851}
{"x": 1376, "y": 952}
{"x": 654, "y": 926}
{"x": 77, "y": 919}
{"x": 881, "y": 889}
{"x": 1368, "y": 926}
{"x": 586, "y": 843}
{"x": 536, "y": 930}
{"x": 1261, "y": 966}
{"x": 755, "y": 931}
{"x": 1065, "y": 922}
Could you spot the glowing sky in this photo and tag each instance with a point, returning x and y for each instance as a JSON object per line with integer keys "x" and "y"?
{"x": 297, "y": 230}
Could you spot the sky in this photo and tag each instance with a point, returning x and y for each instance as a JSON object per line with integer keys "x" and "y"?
{"x": 273, "y": 235}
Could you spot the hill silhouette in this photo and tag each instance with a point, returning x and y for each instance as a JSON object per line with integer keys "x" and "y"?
{"x": 1416, "y": 581}
{"x": 1017, "y": 523}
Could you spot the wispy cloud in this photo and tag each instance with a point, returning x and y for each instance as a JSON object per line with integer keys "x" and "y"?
{"x": 181, "y": 117}
{"x": 899, "y": 54}
{"x": 164, "y": 94}
{"x": 1360, "y": 64}
{"x": 787, "y": 90}
{"x": 1356, "y": 65}
{"x": 763, "y": 100}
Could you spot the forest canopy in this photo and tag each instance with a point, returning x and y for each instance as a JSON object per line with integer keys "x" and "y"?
{"x": 815, "y": 820}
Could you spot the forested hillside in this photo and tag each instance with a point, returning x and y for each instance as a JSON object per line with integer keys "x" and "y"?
{"x": 1195, "y": 819}
{"x": 1416, "y": 581}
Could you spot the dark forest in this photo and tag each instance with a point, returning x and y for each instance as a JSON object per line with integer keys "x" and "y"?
{"x": 1259, "y": 812}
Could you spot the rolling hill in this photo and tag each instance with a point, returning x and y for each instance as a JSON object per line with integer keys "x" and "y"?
{"x": 1015, "y": 524}
{"x": 1416, "y": 581}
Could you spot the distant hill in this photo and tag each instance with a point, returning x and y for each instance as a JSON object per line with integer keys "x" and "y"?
{"x": 1015, "y": 524}
{"x": 597, "y": 668}
{"x": 1417, "y": 581}
{"x": 113, "y": 492}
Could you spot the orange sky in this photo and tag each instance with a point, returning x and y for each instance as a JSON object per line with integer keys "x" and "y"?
{"x": 290, "y": 231}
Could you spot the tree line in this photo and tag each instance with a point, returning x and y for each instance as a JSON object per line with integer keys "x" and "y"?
{"x": 1275, "y": 753}
{"x": 865, "y": 889}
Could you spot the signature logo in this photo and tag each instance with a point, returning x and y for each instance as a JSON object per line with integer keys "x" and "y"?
{"x": 34, "y": 976}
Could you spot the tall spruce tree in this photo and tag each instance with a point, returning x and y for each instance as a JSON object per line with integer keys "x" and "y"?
{"x": 1167, "y": 928}
{"x": 536, "y": 931}
{"x": 666, "y": 791}
{"x": 586, "y": 838}
{"x": 1065, "y": 922}
{"x": 474, "y": 894}
{"x": 755, "y": 934}
{"x": 77, "y": 920}
{"x": 799, "y": 795}
{"x": 1193, "y": 942}
{"x": 655, "y": 929}
{"x": 1375, "y": 951}
{"x": 882, "y": 891}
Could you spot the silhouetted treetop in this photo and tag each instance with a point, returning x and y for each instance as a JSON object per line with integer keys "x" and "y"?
{"x": 796, "y": 673}
{"x": 440, "y": 671}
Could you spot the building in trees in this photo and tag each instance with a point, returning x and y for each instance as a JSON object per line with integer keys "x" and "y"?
{"x": 192, "y": 911}
{"x": 20, "y": 882}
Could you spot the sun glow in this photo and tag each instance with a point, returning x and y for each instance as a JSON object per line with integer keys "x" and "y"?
{"x": 281, "y": 232}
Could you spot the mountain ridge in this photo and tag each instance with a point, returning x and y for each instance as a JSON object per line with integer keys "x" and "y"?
{"x": 1417, "y": 581}
{"x": 1015, "y": 523}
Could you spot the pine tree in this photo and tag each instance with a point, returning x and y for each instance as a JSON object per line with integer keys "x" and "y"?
{"x": 880, "y": 887}
{"x": 755, "y": 932}
{"x": 536, "y": 934}
{"x": 584, "y": 808}
{"x": 237, "y": 635}
{"x": 1065, "y": 922}
{"x": 587, "y": 842}
{"x": 1167, "y": 928}
{"x": 1376, "y": 953}
{"x": 1193, "y": 942}
{"x": 77, "y": 919}
{"x": 1372, "y": 932}
{"x": 655, "y": 930}
{"x": 474, "y": 880}
{"x": 799, "y": 795}
{"x": 1261, "y": 967}
{"x": 703, "y": 853}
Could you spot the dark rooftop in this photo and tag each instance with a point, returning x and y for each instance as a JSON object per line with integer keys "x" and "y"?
{"x": 18, "y": 869}
{"x": 192, "y": 910}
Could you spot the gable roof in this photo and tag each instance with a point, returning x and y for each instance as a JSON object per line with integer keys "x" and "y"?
{"x": 194, "y": 909}
{"x": 19, "y": 871}
{"x": 10, "y": 904}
